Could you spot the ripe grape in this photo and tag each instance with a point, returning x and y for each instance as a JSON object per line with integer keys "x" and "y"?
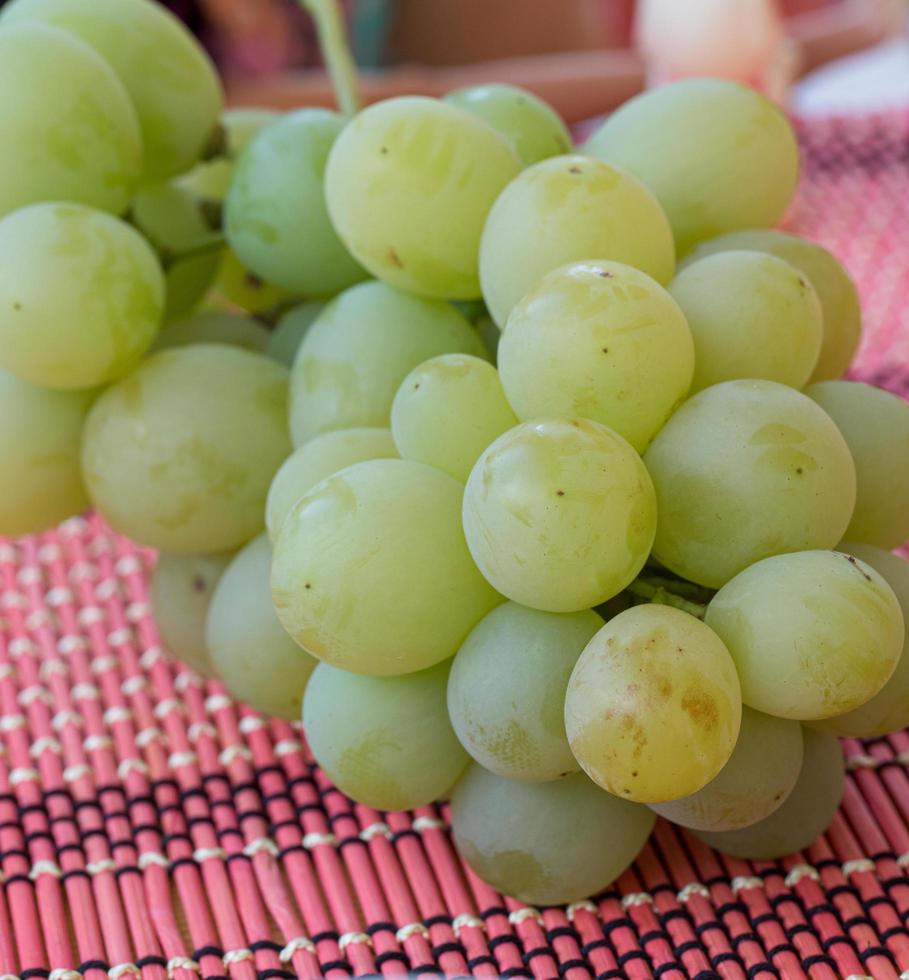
{"x": 82, "y": 295}
{"x": 744, "y": 470}
{"x": 559, "y": 514}
{"x": 236, "y": 286}
{"x": 249, "y": 650}
{"x": 384, "y": 741}
{"x": 214, "y": 327}
{"x": 569, "y": 209}
{"x": 760, "y": 774}
{"x": 358, "y": 351}
{"x": 804, "y": 814}
{"x": 875, "y": 425}
{"x": 506, "y": 692}
{"x": 598, "y": 340}
{"x": 409, "y": 184}
{"x": 371, "y": 572}
{"x": 813, "y": 634}
{"x": 653, "y": 705}
{"x": 180, "y": 453}
{"x": 532, "y": 127}
{"x": 545, "y": 843}
{"x": 717, "y": 155}
{"x": 448, "y": 410}
{"x": 284, "y": 341}
{"x": 752, "y": 315}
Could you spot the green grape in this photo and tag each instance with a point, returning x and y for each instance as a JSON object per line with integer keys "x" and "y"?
{"x": 888, "y": 710}
{"x": 70, "y": 130}
{"x": 532, "y": 127}
{"x": 718, "y": 155}
{"x": 317, "y": 459}
{"x": 804, "y": 815}
{"x": 359, "y": 350}
{"x": 170, "y": 79}
{"x": 214, "y": 327}
{"x": 235, "y": 286}
{"x": 384, "y": 741}
{"x": 371, "y": 572}
{"x": 760, "y": 774}
{"x": 836, "y": 291}
{"x": 559, "y": 514}
{"x": 409, "y": 184}
{"x": 39, "y": 448}
{"x": 506, "y": 692}
{"x": 653, "y": 705}
{"x": 745, "y": 470}
{"x": 181, "y": 588}
{"x": 598, "y": 340}
{"x": 82, "y": 295}
{"x": 179, "y": 454}
{"x": 490, "y": 335}
{"x": 813, "y": 634}
{"x": 752, "y": 315}
{"x": 284, "y": 341}
{"x": 875, "y": 425}
{"x": 569, "y": 209}
{"x": 545, "y": 843}
{"x": 250, "y": 652}
{"x": 448, "y": 410}
{"x": 275, "y": 215}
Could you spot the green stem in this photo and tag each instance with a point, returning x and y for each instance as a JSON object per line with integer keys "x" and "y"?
{"x": 336, "y": 53}
{"x": 651, "y": 592}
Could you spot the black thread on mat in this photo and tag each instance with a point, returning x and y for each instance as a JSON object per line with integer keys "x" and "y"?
{"x": 151, "y": 960}
{"x": 744, "y": 937}
{"x": 720, "y": 958}
{"x": 857, "y": 920}
{"x": 759, "y": 920}
{"x": 759, "y": 968}
{"x": 567, "y": 965}
{"x": 826, "y": 863}
{"x": 654, "y": 934}
{"x": 126, "y": 869}
{"x": 426, "y": 968}
{"x": 15, "y": 852}
{"x": 50, "y": 793}
{"x": 559, "y": 931}
{"x": 63, "y": 848}
{"x": 824, "y": 908}
{"x": 302, "y": 808}
{"x": 660, "y": 888}
{"x": 714, "y": 880}
{"x": 17, "y": 879}
{"x": 339, "y": 965}
{"x": 893, "y": 931}
{"x": 734, "y": 906}
{"x": 872, "y": 951}
{"x": 208, "y": 951}
{"x": 817, "y": 959}
{"x": 793, "y": 931}
{"x": 893, "y": 882}
{"x": 401, "y": 834}
{"x": 394, "y": 956}
{"x": 180, "y": 862}
{"x": 711, "y": 925}
{"x": 632, "y": 954}
{"x": 380, "y": 927}
{"x": 621, "y": 923}
{"x": 268, "y": 974}
{"x": 320, "y": 937}
{"x": 844, "y": 889}
{"x": 777, "y": 900}
{"x": 290, "y": 849}
{"x": 244, "y": 814}
{"x": 670, "y": 967}
{"x": 531, "y": 954}
{"x": 35, "y": 971}
{"x": 169, "y": 839}
{"x": 687, "y": 947}
{"x": 514, "y": 971}
{"x": 829, "y": 943}
{"x": 265, "y": 944}
{"x": 72, "y": 873}
{"x": 91, "y": 965}
{"x": 472, "y": 963}
{"x": 493, "y": 910}
{"x": 782, "y": 948}
{"x": 138, "y": 800}
{"x": 497, "y": 941}
{"x": 613, "y": 975}
{"x": 38, "y": 835}
{"x": 594, "y": 945}
{"x": 93, "y": 832}
{"x": 51, "y": 822}
{"x": 32, "y": 808}
{"x": 195, "y": 821}
{"x": 707, "y": 975}
{"x": 275, "y": 828}
{"x": 343, "y": 842}
{"x": 449, "y": 947}
{"x": 437, "y": 920}
{"x": 671, "y": 914}
{"x": 882, "y": 856}
{"x": 211, "y": 776}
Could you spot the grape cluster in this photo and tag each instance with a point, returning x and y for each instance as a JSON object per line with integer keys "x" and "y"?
{"x": 527, "y": 469}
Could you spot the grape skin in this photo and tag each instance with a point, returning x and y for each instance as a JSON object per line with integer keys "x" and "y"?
{"x": 284, "y": 341}
{"x": 214, "y": 327}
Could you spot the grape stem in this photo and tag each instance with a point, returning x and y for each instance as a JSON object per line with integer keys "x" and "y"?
{"x": 655, "y": 590}
{"x": 336, "y": 53}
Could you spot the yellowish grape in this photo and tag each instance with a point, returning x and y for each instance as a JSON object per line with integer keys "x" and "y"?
{"x": 236, "y": 286}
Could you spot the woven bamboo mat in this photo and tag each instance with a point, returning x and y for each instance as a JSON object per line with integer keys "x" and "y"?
{"x": 149, "y": 826}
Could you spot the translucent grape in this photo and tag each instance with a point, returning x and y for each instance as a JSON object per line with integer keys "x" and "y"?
{"x": 559, "y": 514}
{"x": 82, "y": 295}
{"x": 888, "y": 710}
{"x": 395, "y": 749}
{"x": 804, "y": 815}
{"x": 813, "y": 634}
{"x": 179, "y": 455}
{"x": 598, "y": 340}
{"x": 214, "y": 327}
{"x": 239, "y": 287}
{"x": 569, "y": 209}
{"x": 744, "y": 470}
{"x": 759, "y": 775}
{"x": 448, "y": 410}
{"x": 284, "y": 341}
{"x": 875, "y": 425}
{"x": 506, "y": 692}
{"x": 371, "y": 572}
{"x": 545, "y": 843}
{"x": 181, "y": 588}
{"x": 752, "y": 315}
{"x": 718, "y": 155}
{"x": 250, "y": 652}
{"x": 359, "y": 350}
{"x": 317, "y": 459}
{"x": 39, "y": 447}
{"x": 653, "y": 705}
{"x": 409, "y": 184}
{"x": 532, "y": 127}
{"x": 836, "y": 291}
{"x": 275, "y": 215}
{"x": 69, "y": 127}
{"x": 170, "y": 79}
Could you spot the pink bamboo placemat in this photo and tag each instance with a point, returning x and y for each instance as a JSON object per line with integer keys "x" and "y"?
{"x": 150, "y": 826}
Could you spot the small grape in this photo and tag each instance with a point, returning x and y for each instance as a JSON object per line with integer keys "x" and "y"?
{"x": 284, "y": 341}
{"x": 214, "y": 327}
{"x": 235, "y": 286}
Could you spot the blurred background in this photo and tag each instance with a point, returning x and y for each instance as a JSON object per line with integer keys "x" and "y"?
{"x": 584, "y": 56}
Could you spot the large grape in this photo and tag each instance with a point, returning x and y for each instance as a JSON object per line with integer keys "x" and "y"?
{"x": 744, "y": 470}
{"x": 559, "y": 514}
{"x": 81, "y": 295}
{"x": 598, "y": 340}
{"x": 371, "y": 571}
{"x": 545, "y": 843}
{"x": 653, "y": 705}
{"x": 180, "y": 453}
{"x": 569, "y": 209}
{"x": 813, "y": 634}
